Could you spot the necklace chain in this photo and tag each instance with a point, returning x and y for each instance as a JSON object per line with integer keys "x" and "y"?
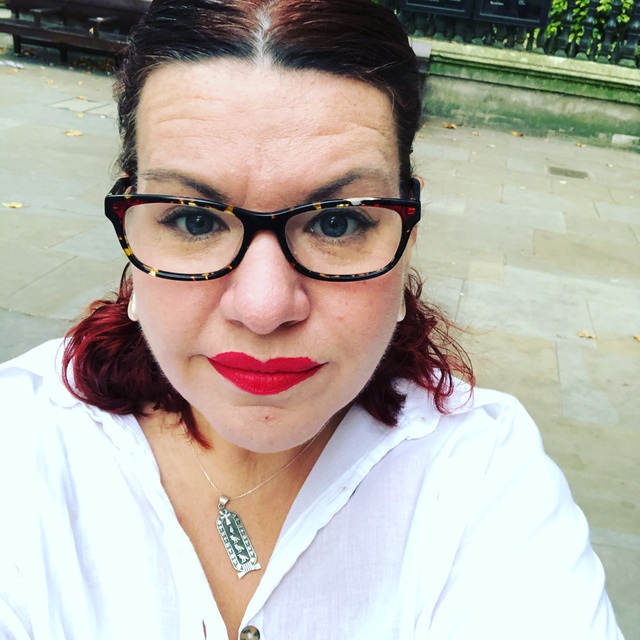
{"x": 258, "y": 486}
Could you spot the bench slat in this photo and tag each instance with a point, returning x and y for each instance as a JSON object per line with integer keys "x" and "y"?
{"x": 74, "y": 23}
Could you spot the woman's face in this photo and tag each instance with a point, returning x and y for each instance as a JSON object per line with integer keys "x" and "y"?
{"x": 266, "y": 139}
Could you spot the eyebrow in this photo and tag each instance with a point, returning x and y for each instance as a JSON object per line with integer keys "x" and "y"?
{"x": 331, "y": 190}
{"x": 328, "y": 191}
{"x": 163, "y": 175}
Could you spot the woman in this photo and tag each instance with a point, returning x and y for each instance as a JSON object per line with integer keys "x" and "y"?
{"x": 262, "y": 436}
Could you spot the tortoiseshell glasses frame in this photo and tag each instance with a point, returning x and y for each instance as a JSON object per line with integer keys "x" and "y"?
{"x": 118, "y": 202}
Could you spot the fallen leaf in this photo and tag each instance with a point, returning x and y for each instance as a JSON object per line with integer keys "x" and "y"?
{"x": 586, "y": 334}
{"x": 49, "y": 81}
{"x": 79, "y": 115}
{"x": 13, "y": 205}
{"x": 609, "y": 165}
{"x": 82, "y": 97}
{"x": 637, "y": 338}
{"x": 73, "y": 133}
{"x": 517, "y": 134}
{"x": 449, "y": 125}
{"x": 491, "y": 146}
{"x": 580, "y": 144}
{"x": 475, "y": 133}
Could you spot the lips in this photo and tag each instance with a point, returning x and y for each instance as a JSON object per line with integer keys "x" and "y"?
{"x": 263, "y": 378}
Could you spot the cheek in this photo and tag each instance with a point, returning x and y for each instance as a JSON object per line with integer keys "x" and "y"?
{"x": 172, "y": 312}
{"x": 369, "y": 312}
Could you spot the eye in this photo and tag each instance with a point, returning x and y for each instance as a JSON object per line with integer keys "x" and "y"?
{"x": 340, "y": 223}
{"x": 194, "y": 221}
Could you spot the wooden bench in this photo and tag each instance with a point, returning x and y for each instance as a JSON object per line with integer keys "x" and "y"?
{"x": 93, "y": 26}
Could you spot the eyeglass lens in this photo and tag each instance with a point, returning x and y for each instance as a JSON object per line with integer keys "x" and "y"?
{"x": 335, "y": 241}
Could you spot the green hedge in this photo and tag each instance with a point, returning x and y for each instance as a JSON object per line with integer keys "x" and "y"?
{"x": 559, "y": 8}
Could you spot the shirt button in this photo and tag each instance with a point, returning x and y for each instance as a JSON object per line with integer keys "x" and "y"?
{"x": 249, "y": 633}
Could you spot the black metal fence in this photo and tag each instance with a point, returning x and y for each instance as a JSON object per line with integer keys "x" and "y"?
{"x": 605, "y": 31}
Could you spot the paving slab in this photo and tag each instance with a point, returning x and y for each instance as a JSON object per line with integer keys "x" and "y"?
{"x": 582, "y": 398}
{"x": 20, "y": 332}
{"x": 611, "y": 320}
{"x": 516, "y": 212}
{"x": 543, "y": 202}
{"x": 581, "y": 189}
{"x": 432, "y": 152}
{"x": 528, "y": 181}
{"x": 480, "y": 271}
{"x": 527, "y": 313}
{"x": 625, "y": 196}
{"x": 446, "y": 291}
{"x": 79, "y": 104}
{"x": 20, "y": 266}
{"x": 597, "y": 228}
{"x": 37, "y": 229}
{"x": 474, "y": 231}
{"x": 445, "y": 205}
{"x": 619, "y": 212}
{"x": 496, "y": 354}
{"x": 84, "y": 280}
{"x": 622, "y": 578}
{"x": 586, "y": 256}
{"x": 93, "y": 244}
{"x": 536, "y": 164}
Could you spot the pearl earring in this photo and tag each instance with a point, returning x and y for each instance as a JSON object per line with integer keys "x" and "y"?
{"x": 402, "y": 312}
{"x": 132, "y": 309}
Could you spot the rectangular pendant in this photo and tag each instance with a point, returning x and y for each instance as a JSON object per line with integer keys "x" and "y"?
{"x": 236, "y": 542}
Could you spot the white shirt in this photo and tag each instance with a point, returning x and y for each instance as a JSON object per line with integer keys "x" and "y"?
{"x": 443, "y": 528}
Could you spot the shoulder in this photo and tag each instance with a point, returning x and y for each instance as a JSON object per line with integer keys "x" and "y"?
{"x": 34, "y": 372}
{"x": 32, "y": 394}
{"x": 516, "y": 539}
{"x": 483, "y": 422}
{"x": 43, "y": 426}
{"x": 490, "y": 448}
{"x": 33, "y": 399}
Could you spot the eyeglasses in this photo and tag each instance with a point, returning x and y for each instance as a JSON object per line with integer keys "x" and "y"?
{"x": 194, "y": 239}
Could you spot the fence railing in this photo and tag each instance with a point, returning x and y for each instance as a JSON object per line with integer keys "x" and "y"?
{"x": 605, "y": 31}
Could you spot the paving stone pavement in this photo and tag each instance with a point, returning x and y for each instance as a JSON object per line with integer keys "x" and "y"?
{"x": 542, "y": 271}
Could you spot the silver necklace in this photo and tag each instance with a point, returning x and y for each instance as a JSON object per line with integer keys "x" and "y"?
{"x": 232, "y": 532}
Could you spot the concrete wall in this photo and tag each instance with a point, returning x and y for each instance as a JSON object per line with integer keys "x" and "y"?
{"x": 533, "y": 93}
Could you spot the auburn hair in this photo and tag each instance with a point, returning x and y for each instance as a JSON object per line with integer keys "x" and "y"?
{"x": 107, "y": 362}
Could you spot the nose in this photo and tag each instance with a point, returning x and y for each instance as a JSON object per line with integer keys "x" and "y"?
{"x": 264, "y": 291}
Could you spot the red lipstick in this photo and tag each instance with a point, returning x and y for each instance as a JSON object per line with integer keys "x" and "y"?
{"x": 263, "y": 378}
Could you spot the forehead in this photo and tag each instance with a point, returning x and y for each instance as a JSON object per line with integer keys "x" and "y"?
{"x": 252, "y": 126}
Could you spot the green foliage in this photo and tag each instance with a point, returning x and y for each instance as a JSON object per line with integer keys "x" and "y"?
{"x": 559, "y": 9}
